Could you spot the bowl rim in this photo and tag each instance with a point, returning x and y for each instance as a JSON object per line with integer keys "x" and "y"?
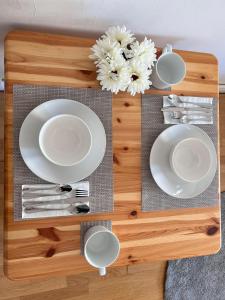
{"x": 50, "y": 120}
{"x": 172, "y": 161}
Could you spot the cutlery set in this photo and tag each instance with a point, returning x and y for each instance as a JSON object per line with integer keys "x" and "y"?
{"x": 55, "y": 197}
{"x": 184, "y": 110}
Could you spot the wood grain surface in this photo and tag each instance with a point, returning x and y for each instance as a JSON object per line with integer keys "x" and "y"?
{"x": 139, "y": 281}
{"x": 51, "y": 246}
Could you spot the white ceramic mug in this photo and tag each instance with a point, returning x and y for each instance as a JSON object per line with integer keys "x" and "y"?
{"x": 101, "y": 247}
{"x": 170, "y": 69}
{"x": 65, "y": 140}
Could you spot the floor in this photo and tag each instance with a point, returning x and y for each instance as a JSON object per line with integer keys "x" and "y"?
{"x": 125, "y": 283}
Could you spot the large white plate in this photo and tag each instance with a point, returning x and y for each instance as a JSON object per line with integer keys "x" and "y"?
{"x": 35, "y": 160}
{"x": 162, "y": 173}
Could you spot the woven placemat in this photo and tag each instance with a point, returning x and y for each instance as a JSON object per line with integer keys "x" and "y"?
{"x": 153, "y": 198}
{"x": 26, "y": 98}
{"x": 84, "y": 226}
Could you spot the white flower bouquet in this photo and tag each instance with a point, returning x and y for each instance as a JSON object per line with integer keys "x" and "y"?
{"x": 123, "y": 64}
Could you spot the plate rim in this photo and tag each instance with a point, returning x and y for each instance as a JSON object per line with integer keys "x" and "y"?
{"x": 180, "y": 181}
{"x": 25, "y": 159}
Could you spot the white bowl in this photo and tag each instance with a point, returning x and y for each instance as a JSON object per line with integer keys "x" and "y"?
{"x": 161, "y": 170}
{"x": 190, "y": 159}
{"x": 65, "y": 140}
{"x": 38, "y": 163}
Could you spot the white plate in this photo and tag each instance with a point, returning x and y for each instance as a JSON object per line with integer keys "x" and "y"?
{"x": 35, "y": 160}
{"x": 162, "y": 173}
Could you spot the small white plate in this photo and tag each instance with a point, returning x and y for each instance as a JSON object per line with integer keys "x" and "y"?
{"x": 35, "y": 160}
{"x": 160, "y": 167}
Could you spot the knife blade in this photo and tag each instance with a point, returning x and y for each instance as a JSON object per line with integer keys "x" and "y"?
{"x": 71, "y": 200}
{"x": 181, "y": 109}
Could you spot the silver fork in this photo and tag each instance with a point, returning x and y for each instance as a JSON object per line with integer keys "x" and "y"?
{"x": 75, "y": 193}
{"x": 185, "y": 118}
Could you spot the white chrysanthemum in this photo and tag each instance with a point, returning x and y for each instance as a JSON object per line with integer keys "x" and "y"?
{"x": 113, "y": 79}
{"x": 145, "y": 52}
{"x": 130, "y": 50}
{"x": 120, "y": 35}
{"x": 139, "y": 74}
{"x": 122, "y": 62}
{"x": 106, "y": 50}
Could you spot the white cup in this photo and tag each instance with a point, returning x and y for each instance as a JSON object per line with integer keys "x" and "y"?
{"x": 170, "y": 69}
{"x": 190, "y": 159}
{"x": 65, "y": 140}
{"x": 101, "y": 247}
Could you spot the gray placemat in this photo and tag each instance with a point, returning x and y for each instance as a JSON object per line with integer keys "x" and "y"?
{"x": 84, "y": 226}
{"x": 153, "y": 198}
{"x": 26, "y": 98}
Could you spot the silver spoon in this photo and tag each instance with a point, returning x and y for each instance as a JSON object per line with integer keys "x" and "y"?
{"x": 57, "y": 188}
{"x": 72, "y": 208}
{"x": 176, "y": 101}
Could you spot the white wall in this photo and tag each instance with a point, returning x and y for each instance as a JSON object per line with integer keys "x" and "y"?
{"x": 192, "y": 25}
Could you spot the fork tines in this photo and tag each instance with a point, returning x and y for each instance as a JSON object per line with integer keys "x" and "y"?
{"x": 81, "y": 193}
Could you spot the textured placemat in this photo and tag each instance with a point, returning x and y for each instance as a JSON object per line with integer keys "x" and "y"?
{"x": 84, "y": 226}
{"x": 153, "y": 198}
{"x": 27, "y": 97}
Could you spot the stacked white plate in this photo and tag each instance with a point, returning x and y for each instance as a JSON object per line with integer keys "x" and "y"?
{"x": 183, "y": 161}
{"x": 62, "y": 141}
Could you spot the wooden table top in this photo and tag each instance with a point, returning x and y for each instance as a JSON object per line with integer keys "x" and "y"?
{"x": 52, "y": 246}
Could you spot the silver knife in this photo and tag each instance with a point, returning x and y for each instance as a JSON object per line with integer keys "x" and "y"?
{"x": 181, "y": 109}
{"x": 75, "y": 208}
{"x": 61, "y": 201}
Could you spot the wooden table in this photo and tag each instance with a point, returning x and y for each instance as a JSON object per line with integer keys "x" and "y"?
{"x": 52, "y": 246}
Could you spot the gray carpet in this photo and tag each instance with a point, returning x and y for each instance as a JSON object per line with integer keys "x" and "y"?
{"x": 200, "y": 278}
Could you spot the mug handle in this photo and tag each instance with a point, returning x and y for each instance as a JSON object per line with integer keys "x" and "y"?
{"x": 102, "y": 271}
{"x": 167, "y": 49}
